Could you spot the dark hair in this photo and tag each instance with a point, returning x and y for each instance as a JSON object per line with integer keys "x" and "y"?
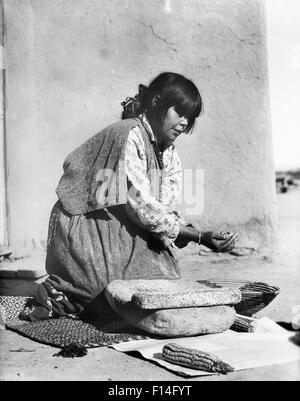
{"x": 169, "y": 89}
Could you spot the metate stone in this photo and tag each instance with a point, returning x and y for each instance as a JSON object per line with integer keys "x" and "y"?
{"x": 162, "y": 294}
{"x": 170, "y": 322}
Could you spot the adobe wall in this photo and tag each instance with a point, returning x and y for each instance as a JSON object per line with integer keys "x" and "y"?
{"x": 69, "y": 64}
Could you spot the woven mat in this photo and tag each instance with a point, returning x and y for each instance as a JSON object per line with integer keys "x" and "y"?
{"x": 65, "y": 331}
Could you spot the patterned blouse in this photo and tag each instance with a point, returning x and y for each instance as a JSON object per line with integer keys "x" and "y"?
{"x": 156, "y": 215}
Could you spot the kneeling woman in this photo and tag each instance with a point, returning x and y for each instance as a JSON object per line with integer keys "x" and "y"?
{"x": 115, "y": 217}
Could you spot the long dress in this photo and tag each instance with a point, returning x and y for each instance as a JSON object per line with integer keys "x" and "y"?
{"x": 133, "y": 240}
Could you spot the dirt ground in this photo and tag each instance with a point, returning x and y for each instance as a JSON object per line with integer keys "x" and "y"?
{"x": 36, "y": 361}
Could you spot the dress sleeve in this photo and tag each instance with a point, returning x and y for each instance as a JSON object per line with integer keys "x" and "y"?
{"x": 172, "y": 183}
{"x": 142, "y": 207}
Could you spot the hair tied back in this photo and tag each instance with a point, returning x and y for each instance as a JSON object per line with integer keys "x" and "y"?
{"x": 127, "y": 102}
{"x": 133, "y": 106}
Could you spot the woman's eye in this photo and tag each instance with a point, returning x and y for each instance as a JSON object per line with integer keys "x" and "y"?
{"x": 180, "y": 114}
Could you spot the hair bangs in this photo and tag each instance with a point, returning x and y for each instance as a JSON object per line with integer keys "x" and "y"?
{"x": 186, "y": 100}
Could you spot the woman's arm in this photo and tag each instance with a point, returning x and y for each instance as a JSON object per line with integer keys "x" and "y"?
{"x": 215, "y": 240}
{"x": 142, "y": 206}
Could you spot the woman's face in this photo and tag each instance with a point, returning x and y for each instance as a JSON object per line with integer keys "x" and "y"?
{"x": 172, "y": 126}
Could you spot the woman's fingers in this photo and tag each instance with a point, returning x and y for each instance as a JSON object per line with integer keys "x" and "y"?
{"x": 229, "y": 244}
{"x": 221, "y": 235}
{"x": 219, "y": 241}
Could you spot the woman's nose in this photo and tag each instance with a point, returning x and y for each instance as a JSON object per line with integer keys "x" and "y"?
{"x": 183, "y": 122}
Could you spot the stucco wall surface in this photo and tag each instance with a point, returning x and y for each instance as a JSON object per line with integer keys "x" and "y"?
{"x": 69, "y": 64}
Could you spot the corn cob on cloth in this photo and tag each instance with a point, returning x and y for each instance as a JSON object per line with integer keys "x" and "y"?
{"x": 271, "y": 345}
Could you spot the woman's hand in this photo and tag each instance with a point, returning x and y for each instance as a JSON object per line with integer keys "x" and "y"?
{"x": 219, "y": 241}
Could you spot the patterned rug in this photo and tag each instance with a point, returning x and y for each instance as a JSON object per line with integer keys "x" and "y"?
{"x": 66, "y": 331}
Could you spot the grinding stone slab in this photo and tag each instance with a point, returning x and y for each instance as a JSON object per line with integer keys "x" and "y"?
{"x": 162, "y": 294}
{"x": 170, "y": 322}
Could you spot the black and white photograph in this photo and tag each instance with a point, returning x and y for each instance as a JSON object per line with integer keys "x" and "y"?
{"x": 149, "y": 193}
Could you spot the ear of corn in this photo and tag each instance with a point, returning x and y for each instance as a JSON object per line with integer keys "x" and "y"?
{"x": 242, "y": 325}
{"x": 194, "y": 359}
